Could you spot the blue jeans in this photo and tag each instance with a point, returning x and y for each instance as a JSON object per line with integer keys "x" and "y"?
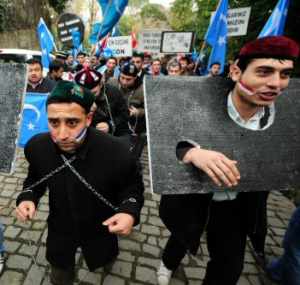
{"x": 286, "y": 269}
{"x": 2, "y": 249}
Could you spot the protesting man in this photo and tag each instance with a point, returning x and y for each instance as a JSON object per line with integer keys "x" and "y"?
{"x": 110, "y": 69}
{"x": 261, "y": 73}
{"x": 95, "y": 190}
{"x": 155, "y": 69}
{"x": 214, "y": 69}
{"x": 36, "y": 82}
{"x": 138, "y": 61}
{"x": 132, "y": 90}
{"x": 56, "y": 70}
{"x": 110, "y": 112}
{"x": 174, "y": 68}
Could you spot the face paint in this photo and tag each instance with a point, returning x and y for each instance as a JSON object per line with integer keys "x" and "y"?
{"x": 81, "y": 135}
{"x": 246, "y": 89}
{"x": 77, "y": 139}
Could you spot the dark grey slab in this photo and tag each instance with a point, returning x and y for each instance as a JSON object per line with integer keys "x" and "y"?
{"x": 12, "y": 90}
{"x": 180, "y": 108}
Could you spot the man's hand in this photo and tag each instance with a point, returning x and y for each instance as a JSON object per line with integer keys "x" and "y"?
{"x": 133, "y": 111}
{"x": 103, "y": 127}
{"x": 120, "y": 223}
{"x": 221, "y": 169}
{"x": 25, "y": 211}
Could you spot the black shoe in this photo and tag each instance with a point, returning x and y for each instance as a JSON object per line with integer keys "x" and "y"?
{"x": 2, "y": 262}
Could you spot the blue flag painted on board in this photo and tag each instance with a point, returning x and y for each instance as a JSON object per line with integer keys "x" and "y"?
{"x": 216, "y": 35}
{"x": 46, "y": 42}
{"x": 34, "y": 119}
{"x": 276, "y": 22}
{"x": 112, "y": 11}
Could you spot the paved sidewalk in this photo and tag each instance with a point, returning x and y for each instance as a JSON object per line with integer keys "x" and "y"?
{"x": 139, "y": 254}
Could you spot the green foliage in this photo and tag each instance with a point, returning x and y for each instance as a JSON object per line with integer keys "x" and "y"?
{"x": 3, "y": 14}
{"x": 153, "y": 11}
{"x": 126, "y": 24}
{"x": 192, "y": 15}
{"x": 58, "y": 5}
{"x": 138, "y": 4}
{"x": 182, "y": 16}
{"x": 195, "y": 15}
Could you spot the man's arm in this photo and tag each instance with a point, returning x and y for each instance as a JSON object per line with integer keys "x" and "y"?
{"x": 28, "y": 199}
{"x": 222, "y": 170}
{"x": 131, "y": 200}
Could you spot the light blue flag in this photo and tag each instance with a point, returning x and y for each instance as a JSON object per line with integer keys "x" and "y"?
{"x": 116, "y": 31}
{"x": 34, "y": 119}
{"x": 112, "y": 14}
{"x": 103, "y": 4}
{"x": 46, "y": 42}
{"x": 276, "y": 22}
{"x": 194, "y": 55}
{"x": 76, "y": 39}
{"x": 216, "y": 35}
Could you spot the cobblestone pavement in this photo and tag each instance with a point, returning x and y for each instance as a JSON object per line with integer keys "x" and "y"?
{"x": 139, "y": 254}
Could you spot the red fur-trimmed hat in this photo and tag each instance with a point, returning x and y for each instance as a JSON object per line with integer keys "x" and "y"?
{"x": 271, "y": 47}
{"x": 88, "y": 78}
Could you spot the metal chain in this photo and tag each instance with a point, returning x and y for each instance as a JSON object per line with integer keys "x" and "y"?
{"x": 46, "y": 177}
{"x": 109, "y": 110}
{"x": 89, "y": 186}
{"x": 50, "y": 174}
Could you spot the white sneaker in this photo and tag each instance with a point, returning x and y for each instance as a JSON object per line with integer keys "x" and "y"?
{"x": 163, "y": 274}
{"x": 2, "y": 262}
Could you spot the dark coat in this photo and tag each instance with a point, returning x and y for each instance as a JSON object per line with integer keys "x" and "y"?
{"x": 76, "y": 214}
{"x": 134, "y": 97}
{"x": 45, "y": 86}
{"x": 118, "y": 121}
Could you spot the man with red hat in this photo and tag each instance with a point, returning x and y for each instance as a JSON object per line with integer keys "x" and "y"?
{"x": 261, "y": 72}
{"x": 110, "y": 113}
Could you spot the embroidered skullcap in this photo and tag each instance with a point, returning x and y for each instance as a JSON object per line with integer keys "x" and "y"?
{"x": 88, "y": 78}
{"x": 67, "y": 92}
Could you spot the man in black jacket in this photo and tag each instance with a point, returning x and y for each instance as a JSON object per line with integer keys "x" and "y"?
{"x": 110, "y": 113}
{"x": 95, "y": 190}
{"x": 131, "y": 89}
{"x": 36, "y": 82}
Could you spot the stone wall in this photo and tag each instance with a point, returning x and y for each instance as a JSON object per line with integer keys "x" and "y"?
{"x": 20, "y": 23}
{"x": 25, "y": 39}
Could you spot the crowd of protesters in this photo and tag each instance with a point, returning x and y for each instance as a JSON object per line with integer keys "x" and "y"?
{"x": 109, "y": 109}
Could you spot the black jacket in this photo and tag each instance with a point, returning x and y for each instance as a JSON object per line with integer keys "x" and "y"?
{"x": 45, "y": 86}
{"x": 133, "y": 97}
{"x": 114, "y": 112}
{"x": 76, "y": 214}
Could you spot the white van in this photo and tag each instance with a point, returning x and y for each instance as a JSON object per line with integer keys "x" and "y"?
{"x": 8, "y": 55}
